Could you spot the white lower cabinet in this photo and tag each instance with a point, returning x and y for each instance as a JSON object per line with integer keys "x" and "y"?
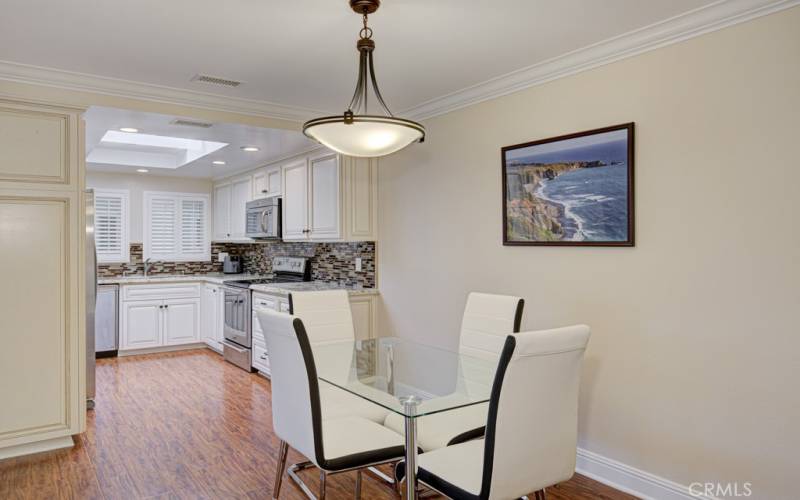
{"x": 181, "y": 321}
{"x": 363, "y": 309}
{"x": 141, "y": 324}
{"x": 212, "y": 314}
{"x": 159, "y": 317}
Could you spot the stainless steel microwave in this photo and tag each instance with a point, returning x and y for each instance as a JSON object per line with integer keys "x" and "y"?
{"x": 264, "y": 218}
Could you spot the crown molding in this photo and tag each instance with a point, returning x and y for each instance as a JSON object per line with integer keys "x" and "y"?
{"x": 82, "y": 82}
{"x": 712, "y": 17}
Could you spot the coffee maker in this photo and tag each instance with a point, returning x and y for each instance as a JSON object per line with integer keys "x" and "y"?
{"x": 232, "y": 264}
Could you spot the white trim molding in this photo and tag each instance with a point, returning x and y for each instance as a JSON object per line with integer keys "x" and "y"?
{"x": 631, "y": 480}
{"x": 712, "y": 17}
{"x": 83, "y": 82}
{"x": 57, "y": 443}
{"x": 706, "y": 19}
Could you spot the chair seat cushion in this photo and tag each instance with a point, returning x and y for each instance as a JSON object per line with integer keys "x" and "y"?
{"x": 356, "y": 442}
{"x": 446, "y": 428}
{"x": 338, "y": 403}
{"x": 456, "y": 471}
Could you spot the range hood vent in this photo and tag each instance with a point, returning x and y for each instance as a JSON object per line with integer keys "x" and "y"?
{"x": 189, "y": 123}
{"x": 215, "y": 80}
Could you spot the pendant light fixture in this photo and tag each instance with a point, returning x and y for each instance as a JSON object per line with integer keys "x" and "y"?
{"x": 356, "y": 132}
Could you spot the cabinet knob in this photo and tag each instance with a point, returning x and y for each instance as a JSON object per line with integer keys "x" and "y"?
{"x": 264, "y": 191}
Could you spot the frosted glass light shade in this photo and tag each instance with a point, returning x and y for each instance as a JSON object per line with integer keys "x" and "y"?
{"x": 367, "y": 136}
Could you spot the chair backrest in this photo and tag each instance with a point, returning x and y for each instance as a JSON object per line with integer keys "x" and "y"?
{"x": 488, "y": 318}
{"x": 532, "y": 428}
{"x": 327, "y": 319}
{"x": 296, "y": 415}
{"x": 326, "y": 315}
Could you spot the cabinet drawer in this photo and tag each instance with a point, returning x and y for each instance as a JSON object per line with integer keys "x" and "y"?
{"x": 284, "y": 306}
{"x": 264, "y": 301}
{"x": 260, "y": 358}
{"x": 258, "y": 338}
{"x": 150, "y": 292}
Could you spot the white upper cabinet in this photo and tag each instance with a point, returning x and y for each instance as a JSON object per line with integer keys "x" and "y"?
{"x": 324, "y": 222}
{"x": 267, "y": 182}
{"x": 230, "y": 209}
{"x": 295, "y": 200}
{"x": 222, "y": 212}
{"x": 241, "y": 193}
{"x": 326, "y": 197}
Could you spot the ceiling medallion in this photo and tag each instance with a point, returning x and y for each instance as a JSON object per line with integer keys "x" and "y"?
{"x": 356, "y": 132}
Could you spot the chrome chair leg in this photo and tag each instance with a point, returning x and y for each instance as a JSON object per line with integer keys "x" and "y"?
{"x": 539, "y": 495}
{"x": 282, "y": 452}
{"x": 322, "y": 477}
{"x": 358, "y": 485}
{"x": 292, "y": 473}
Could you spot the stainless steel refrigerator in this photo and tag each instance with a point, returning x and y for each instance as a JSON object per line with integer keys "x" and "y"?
{"x": 91, "y": 298}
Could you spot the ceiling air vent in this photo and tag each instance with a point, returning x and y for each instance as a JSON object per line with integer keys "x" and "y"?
{"x": 190, "y": 123}
{"x": 215, "y": 80}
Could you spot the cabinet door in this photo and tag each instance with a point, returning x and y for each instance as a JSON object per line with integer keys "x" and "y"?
{"x": 295, "y": 201}
{"x": 363, "y": 317}
{"x": 260, "y": 184}
{"x": 219, "y": 318}
{"x": 222, "y": 212}
{"x": 208, "y": 312}
{"x": 324, "y": 220}
{"x": 181, "y": 321}
{"x": 141, "y": 324}
{"x": 274, "y": 181}
{"x": 241, "y": 193}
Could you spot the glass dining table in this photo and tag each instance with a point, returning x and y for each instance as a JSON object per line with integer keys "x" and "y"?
{"x": 408, "y": 378}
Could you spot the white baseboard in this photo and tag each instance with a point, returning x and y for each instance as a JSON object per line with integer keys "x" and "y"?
{"x": 37, "y": 447}
{"x": 631, "y": 480}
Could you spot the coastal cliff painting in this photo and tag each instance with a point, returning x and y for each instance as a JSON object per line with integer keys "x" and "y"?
{"x": 574, "y": 189}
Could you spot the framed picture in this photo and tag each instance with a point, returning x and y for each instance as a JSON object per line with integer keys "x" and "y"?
{"x": 574, "y": 190}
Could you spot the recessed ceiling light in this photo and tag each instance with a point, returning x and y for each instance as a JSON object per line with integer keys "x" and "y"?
{"x": 142, "y": 170}
{"x": 130, "y": 130}
{"x": 218, "y": 162}
{"x": 250, "y": 149}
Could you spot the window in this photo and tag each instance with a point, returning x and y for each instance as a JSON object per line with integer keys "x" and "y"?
{"x": 111, "y": 225}
{"x": 176, "y": 227}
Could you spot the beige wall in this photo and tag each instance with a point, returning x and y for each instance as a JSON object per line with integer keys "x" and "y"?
{"x": 138, "y": 184}
{"x": 692, "y": 368}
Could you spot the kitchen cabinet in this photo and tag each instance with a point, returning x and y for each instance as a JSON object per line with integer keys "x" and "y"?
{"x": 330, "y": 197}
{"x": 141, "y": 324}
{"x": 295, "y": 200}
{"x": 267, "y": 182}
{"x": 42, "y": 365}
{"x": 181, "y": 321}
{"x": 212, "y": 314}
{"x": 156, "y": 316}
{"x": 363, "y": 309}
{"x": 222, "y": 212}
{"x": 230, "y": 209}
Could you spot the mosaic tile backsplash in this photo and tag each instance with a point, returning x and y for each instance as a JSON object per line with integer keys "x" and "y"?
{"x": 329, "y": 261}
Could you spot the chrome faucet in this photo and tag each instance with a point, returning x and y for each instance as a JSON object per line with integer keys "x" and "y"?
{"x": 147, "y": 266}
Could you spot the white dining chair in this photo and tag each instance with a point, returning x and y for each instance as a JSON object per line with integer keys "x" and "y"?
{"x": 532, "y": 429}
{"x": 332, "y": 444}
{"x": 328, "y": 319}
{"x": 487, "y": 320}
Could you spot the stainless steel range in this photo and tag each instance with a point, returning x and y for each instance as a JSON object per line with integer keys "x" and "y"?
{"x": 238, "y": 309}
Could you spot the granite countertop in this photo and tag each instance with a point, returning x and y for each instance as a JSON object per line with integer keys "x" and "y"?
{"x": 218, "y": 278}
{"x": 312, "y": 286}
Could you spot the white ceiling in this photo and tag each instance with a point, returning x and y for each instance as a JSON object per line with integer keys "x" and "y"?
{"x": 273, "y": 144}
{"x": 302, "y": 53}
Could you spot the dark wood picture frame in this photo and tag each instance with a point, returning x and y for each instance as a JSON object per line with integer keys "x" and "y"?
{"x": 629, "y": 242}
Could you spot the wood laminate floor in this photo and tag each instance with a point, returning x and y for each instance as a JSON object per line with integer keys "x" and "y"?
{"x": 186, "y": 425}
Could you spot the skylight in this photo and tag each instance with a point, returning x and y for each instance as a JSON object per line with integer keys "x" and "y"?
{"x": 146, "y": 150}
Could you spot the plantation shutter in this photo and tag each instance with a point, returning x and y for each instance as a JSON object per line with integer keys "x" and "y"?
{"x": 176, "y": 227}
{"x": 111, "y": 226}
{"x": 193, "y": 229}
